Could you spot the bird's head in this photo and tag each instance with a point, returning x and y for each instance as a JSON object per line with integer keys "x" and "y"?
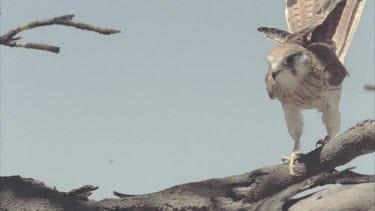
{"x": 288, "y": 63}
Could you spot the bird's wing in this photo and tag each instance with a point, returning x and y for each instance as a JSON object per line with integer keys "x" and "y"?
{"x": 274, "y": 34}
{"x": 347, "y": 26}
{"x": 306, "y": 16}
{"x": 334, "y": 71}
{"x": 298, "y": 13}
{"x": 324, "y": 21}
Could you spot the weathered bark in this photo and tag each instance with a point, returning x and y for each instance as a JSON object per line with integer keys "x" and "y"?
{"x": 261, "y": 189}
{"x": 283, "y": 199}
{"x": 359, "y": 197}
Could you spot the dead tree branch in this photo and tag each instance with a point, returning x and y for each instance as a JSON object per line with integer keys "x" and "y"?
{"x": 343, "y": 197}
{"x": 269, "y": 186}
{"x": 283, "y": 199}
{"x": 82, "y": 193}
{"x": 10, "y": 39}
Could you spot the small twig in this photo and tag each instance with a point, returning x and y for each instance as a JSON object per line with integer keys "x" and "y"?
{"x": 81, "y": 193}
{"x": 370, "y": 87}
{"x": 37, "y": 46}
{"x": 121, "y": 195}
{"x": 9, "y": 39}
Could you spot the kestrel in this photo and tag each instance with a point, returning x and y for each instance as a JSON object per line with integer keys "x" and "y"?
{"x": 306, "y": 69}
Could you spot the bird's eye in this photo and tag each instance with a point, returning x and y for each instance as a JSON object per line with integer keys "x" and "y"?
{"x": 290, "y": 60}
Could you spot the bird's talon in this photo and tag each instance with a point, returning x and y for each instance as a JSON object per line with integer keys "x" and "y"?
{"x": 321, "y": 142}
{"x": 285, "y": 159}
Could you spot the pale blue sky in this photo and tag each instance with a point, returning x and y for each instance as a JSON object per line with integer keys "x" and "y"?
{"x": 177, "y": 97}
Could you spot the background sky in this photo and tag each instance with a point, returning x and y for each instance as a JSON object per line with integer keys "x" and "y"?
{"x": 178, "y": 96}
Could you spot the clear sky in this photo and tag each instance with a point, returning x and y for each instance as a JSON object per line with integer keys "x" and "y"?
{"x": 177, "y": 97}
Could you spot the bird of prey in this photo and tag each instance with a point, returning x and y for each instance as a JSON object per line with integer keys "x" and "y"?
{"x": 306, "y": 69}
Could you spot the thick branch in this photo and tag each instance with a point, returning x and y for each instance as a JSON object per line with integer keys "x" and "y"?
{"x": 356, "y": 141}
{"x": 283, "y": 199}
{"x": 242, "y": 191}
{"x": 345, "y": 197}
{"x": 10, "y": 40}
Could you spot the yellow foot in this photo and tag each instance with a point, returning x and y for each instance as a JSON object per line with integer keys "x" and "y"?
{"x": 294, "y": 156}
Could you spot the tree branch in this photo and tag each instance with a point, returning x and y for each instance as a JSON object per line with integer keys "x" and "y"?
{"x": 9, "y": 39}
{"x": 283, "y": 199}
{"x": 343, "y": 197}
{"x": 82, "y": 193}
{"x": 370, "y": 87}
{"x": 37, "y": 46}
{"x": 235, "y": 192}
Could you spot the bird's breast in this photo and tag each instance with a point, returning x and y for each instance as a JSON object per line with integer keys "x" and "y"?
{"x": 308, "y": 94}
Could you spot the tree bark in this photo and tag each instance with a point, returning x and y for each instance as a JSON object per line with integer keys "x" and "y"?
{"x": 268, "y": 188}
{"x": 359, "y": 197}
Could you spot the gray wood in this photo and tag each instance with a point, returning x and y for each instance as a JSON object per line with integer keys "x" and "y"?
{"x": 360, "y": 197}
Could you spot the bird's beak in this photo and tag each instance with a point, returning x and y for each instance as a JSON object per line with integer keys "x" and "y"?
{"x": 275, "y": 72}
{"x": 270, "y": 85}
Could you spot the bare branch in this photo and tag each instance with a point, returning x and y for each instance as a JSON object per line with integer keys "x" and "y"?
{"x": 9, "y": 39}
{"x": 370, "y": 87}
{"x": 38, "y": 46}
{"x": 280, "y": 200}
{"x": 82, "y": 193}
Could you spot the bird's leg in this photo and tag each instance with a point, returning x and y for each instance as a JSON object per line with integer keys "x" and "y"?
{"x": 294, "y": 122}
{"x": 331, "y": 120}
{"x": 294, "y": 156}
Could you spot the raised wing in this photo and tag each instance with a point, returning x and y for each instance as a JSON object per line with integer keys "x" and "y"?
{"x": 306, "y": 22}
{"x": 274, "y": 34}
{"x": 299, "y": 12}
{"x": 324, "y": 21}
{"x": 347, "y": 26}
{"x": 335, "y": 71}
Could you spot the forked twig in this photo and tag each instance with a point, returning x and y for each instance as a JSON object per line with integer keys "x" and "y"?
{"x": 9, "y": 39}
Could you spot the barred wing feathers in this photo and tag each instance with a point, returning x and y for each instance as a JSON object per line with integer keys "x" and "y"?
{"x": 274, "y": 34}
{"x": 324, "y": 21}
